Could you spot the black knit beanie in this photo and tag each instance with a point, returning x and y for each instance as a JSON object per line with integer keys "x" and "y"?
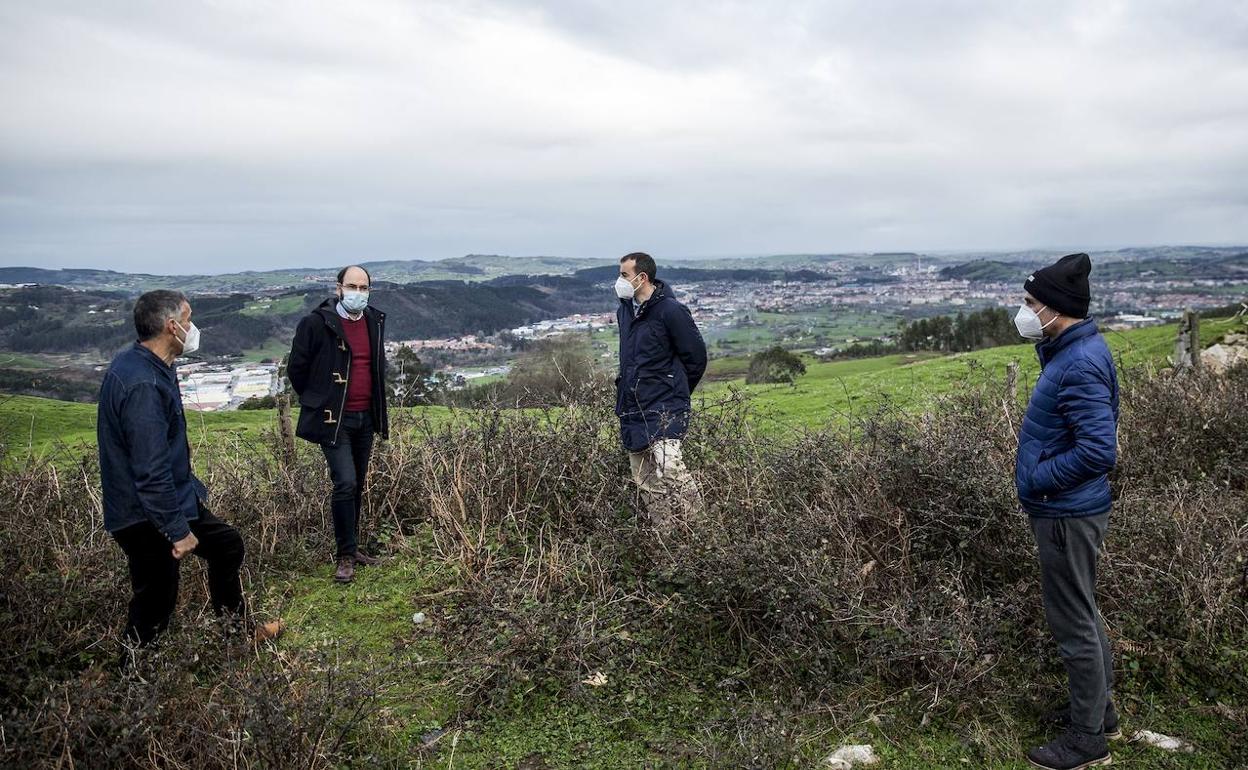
{"x": 1063, "y": 286}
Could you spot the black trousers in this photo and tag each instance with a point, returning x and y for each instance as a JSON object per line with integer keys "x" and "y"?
{"x": 154, "y": 573}
{"x": 348, "y": 468}
{"x": 1068, "y": 549}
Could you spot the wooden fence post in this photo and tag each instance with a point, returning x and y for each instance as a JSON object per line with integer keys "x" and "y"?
{"x": 1187, "y": 344}
{"x": 283, "y": 414}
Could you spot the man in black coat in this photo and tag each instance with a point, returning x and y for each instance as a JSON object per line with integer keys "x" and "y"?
{"x": 662, "y": 359}
{"x": 337, "y": 366}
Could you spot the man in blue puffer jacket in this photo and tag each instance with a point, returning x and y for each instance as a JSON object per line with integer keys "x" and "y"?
{"x": 662, "y": 359}
{"x": 1066, "y": 448}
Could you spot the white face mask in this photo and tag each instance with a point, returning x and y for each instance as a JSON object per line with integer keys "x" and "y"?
{"x": 1028, "y": 323}
{"x": 624, "y": 288}
{"x": 190, "y": 343}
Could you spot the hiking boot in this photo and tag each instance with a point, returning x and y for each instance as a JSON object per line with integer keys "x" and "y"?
{"x": 267, "y": 632}
{"x": 364, "y": 560}
{"x": 346, "y": 570}
{"x": 1061, "y": 719}
{"x": 1072, "y": 750}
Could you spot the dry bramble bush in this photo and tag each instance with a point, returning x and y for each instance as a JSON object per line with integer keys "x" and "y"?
{"x": 890, "y": 552}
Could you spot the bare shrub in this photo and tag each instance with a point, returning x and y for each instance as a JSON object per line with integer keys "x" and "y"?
{"x": 889, "y": 552}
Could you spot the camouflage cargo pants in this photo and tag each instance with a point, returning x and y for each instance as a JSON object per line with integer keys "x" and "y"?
{"x": 671, "y": 496}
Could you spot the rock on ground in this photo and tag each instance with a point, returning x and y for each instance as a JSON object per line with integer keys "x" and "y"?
{"x": 1219, "y": 358}
{"x": 1150, "y": 738}
{"x": 851, "y": 756}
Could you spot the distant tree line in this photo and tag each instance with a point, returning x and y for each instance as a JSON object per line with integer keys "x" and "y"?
{"x": 865, "y": 349}
{"x": 65, "y": 384}
{"x": 947, "y": 334}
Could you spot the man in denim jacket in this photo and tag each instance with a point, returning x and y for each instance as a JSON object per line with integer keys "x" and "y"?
{"x": 153, "y": 504}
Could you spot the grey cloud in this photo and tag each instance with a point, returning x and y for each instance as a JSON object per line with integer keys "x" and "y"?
{"x": 239, "y": 134}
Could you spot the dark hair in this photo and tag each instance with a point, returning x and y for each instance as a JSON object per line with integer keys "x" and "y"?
{"x": 343, "y": 272}
{"x": 644, "y": 263}
{"x": 154, "y": 308}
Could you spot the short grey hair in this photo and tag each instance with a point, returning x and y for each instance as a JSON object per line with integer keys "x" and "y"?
{"x": 153, "y": 309}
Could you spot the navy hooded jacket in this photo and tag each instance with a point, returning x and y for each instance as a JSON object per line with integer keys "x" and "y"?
{"x": 1069, "y": 438}
{"x": 662, "y": 359}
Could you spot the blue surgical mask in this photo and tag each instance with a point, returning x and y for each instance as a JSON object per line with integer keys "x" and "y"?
{"x": 354, "y": 301}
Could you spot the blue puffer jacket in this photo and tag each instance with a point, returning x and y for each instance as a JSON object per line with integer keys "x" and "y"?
{"x": 662, "y": 358}
{"x": 1069, "y": 439}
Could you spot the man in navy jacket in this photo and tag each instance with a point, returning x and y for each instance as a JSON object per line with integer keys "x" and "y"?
{"x": 662, "y": 359}
{"x": 153, "y": 504}
{"x": 1066, "y": 449}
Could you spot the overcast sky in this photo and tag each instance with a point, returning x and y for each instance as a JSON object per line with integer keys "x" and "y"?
{"x": 186, "y": 137}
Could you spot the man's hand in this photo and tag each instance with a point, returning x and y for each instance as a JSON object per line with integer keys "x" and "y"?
{"x": 185, "y": 546}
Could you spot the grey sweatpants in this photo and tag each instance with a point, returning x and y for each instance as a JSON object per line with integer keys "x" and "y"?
{"x": 1068, "y": 549}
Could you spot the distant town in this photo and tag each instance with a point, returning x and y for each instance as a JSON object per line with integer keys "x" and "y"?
{"x": 722, "y": 307}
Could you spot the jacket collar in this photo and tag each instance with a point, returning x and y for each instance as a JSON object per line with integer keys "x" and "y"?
{"x": 328, "y": 310}
{"x": 154, "y": 359}
{"x": 1049, "y": 348}
{"x": 660, "y": 293}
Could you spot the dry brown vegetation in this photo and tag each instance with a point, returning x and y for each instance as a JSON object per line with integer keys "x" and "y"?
{"x": 888, "y": 556}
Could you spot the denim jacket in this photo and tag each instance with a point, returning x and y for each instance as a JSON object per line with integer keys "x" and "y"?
{"x": 145, "y": 460}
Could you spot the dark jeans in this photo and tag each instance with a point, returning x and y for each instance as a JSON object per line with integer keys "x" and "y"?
{"x": 154, "y": 573}
{"x": 348, "y": 467}
{"x": 1068, "y": 549}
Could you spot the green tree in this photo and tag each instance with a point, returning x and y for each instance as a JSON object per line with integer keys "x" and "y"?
{"x": 554, "y": 371}
{"x": 259, "y": 402}
{"x": 410, "y": 381}
{"x": 774, "y": 365}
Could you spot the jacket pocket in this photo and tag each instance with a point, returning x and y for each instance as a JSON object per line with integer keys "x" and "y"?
{"x": 652, "y": 389}
{"x": 314, "y": 399}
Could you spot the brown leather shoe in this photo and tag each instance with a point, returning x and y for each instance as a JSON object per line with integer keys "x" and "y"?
{"x": 346, "y": 570}
{"x": 364, "y": 560}
{"x": 267, "y": 632}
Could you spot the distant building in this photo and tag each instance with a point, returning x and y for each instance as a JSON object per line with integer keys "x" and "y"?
{"x": 1131, "y": 321}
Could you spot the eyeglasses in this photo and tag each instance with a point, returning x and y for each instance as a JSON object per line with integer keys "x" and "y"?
{"x": 354, "y": 286}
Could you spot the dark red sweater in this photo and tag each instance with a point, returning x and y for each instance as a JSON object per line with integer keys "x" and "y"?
{"x": 360, "y": 385}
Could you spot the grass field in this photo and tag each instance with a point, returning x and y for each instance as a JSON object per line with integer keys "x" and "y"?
{"x": 23, "y": 361}
{"x": 843, "y": 390}
{"x": 800, "y": 329}
{"x": 44, "y": 426}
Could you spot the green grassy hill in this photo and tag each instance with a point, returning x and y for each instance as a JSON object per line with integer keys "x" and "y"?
{"x": 843, "y": 390}
{"x": 829, "y": 392}
{"x": 44, "y": 426}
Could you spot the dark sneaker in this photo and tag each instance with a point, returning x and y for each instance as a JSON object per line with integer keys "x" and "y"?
{"x": 1061, "y": 720}
{"x": 364, "y": 560}
{"x": 346, "y": 570}
{"x": 1072, "y": 750}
